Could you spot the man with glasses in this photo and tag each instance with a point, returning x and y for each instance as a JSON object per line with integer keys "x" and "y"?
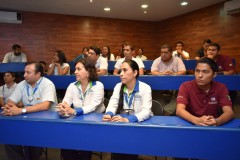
{"x": 166, "y": 64}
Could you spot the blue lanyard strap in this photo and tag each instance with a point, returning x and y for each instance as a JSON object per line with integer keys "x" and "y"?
{"x": 129, "y": 102}
{"x": 35, "y": 89}
{"x": 81, "y": 93}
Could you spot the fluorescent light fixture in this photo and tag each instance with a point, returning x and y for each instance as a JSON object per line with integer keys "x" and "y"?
{"x": 107, "y": 9}
{"x": 144, "y": 6}
{"x": 184, "y": 3}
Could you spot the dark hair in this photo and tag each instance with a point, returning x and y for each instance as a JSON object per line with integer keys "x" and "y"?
{"x": 12, "y": 73}
{"x": 128, "y": 44}
{"x": 61, "y": 56}
{"x": 167, "y": 46}
{"x": 180, "y": 42}
{"x": 207, "y": 41}
{"x": 38, "y": 67}
{"x": 109, "y": 52}
{"x": 210, "y": 62}
{"x": 90, "y": 67}
{"x": 141, "y": 49}
{"x": 96, "y": 50}
{"x": 134, "y": 67}
{"x": 15, "y": 46}
{"x": 215, "y": 45}
{"x": 43, "y": 62}
{"x": 85, "y": 48}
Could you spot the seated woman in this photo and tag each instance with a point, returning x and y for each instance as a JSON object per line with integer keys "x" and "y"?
{"x": 59, "y": 65}
{"x": 86, "y": 95}
{"x": 131, "y": 100}
{"x": 106, "y": 53}
{"x": 7, "y": 89}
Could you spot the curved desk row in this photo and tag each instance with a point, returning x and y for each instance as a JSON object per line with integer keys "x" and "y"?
{"x": 159, "y": 135}
{"x": 19, "y": 67}
{"x": 156, "y": 82}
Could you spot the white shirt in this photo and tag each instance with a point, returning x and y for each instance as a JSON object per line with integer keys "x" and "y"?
{"x": 121, "y": 60}
{"x": 112, "y": 58}
{"x": 10, "y": 57}
{"x": 44, "y": 91}
{"x": 6, "y": 91}
{"x": 101, "y": 63}
{"x": 142, "y": 101}
{"x": 143, "y": 58}
{"x": 55, "y": 72}
{"x": 175, "y": 54}
{"x": 90, "y": 101}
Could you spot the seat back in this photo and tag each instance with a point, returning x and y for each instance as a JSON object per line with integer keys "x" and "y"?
{"x": 157, "y": 108}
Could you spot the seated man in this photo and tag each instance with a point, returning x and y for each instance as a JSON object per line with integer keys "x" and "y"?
{"x": 100, "y": 62}
{"x": 166, "y": 64}
{"x": 37, "y": 93}
{"x": 140, "y": 55}
{"x": 200, "y": 105}
{"x": 15, "y": 56}
{"x": 202, "y": 52}
{"x": 179, "y": 52}
{"x": 224, "y": 63}
{"x": 128, "y": 51}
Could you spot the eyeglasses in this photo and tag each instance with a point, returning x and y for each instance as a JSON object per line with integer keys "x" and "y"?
{"x": 127, "y": 111}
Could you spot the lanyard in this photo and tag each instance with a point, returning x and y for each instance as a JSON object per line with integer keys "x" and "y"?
{"x": 34, "y": 90}
{"x": 129, "y": 102}
{"x": 83, "y": 95}
{"x": 3, "y": 92}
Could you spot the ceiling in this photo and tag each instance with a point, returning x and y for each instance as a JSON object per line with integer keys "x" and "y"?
{"x": 120, "y": 9}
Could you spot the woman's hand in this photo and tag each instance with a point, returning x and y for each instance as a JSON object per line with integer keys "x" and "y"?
{"x": 118, "y": 118}
{"x": 65, "y": 110}
{"x": 106, "y": 118}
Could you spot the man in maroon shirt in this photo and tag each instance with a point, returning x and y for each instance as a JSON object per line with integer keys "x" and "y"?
{"x": 199, "y": 100}
{"x": 224, "y": 63}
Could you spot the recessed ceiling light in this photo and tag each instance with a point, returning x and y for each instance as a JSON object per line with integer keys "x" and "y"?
{"x": 144, "y": 6}
{"x": 91, "y": 1}
{"x": 107, "y": 9}
{"x": 184, "y": 3}
{"x": 145, "y": 12}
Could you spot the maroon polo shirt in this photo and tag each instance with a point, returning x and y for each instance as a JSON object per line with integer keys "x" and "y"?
{"x": 224, "y": 63}
{"x": 200, "y": 103}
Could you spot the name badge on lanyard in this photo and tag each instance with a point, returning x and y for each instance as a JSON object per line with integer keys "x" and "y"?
{"x": 129, "y": 102}
{"x": 30, "y": 97}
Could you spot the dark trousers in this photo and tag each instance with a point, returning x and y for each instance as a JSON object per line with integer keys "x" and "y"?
{"x": 117, "y": 156}
{"x": 16, "y": 152}
{"x": 75, "y": 155}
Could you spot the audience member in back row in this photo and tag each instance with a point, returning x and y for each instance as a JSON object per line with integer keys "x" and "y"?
{"x": 224, "y": 63}
{"x": 166, "y": 64}
{"x": 179, "y": 52}
{"x": 59, "y": 65}
{"x": 84, "y": 54}
{"x": 201, "y": 104}
{"x": 7, "y": 89}
{"x": 106, "y": 53}
{"x": 128, "y": 50}
{"x": 140, "y": 55}
{"x": 131, "y": 98}
{"x": 100, "y": 62}
{"x": 37, "y": 93}
{"x": 202, "y": 52}
{"x": 86, "y": 95}
{"x": 15, "y": 56}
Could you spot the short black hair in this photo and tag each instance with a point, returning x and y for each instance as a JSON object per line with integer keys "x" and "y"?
{"x": 215, "y": 45}
{"x": 15, "y": 46}
{"x": 210, "y": 62}
{"x": 96, "y": 50}
{"x": 180, "y": 42}
{"x": 167, "y": 46}
{"x": 38, "y": 67}
{"x": 207, "y": 41}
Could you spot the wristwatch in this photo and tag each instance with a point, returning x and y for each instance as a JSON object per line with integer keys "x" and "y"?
{"x": 24, "y": 110}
